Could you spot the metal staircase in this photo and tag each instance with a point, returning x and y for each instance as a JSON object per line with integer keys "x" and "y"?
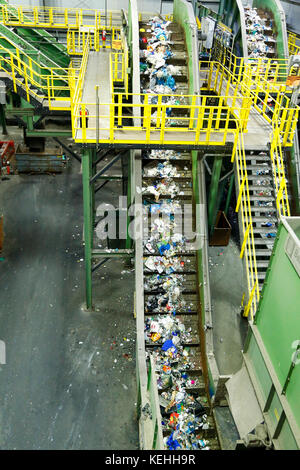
{"x": 263, "y": 207}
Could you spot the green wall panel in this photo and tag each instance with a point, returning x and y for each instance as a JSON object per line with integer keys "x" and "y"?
{"x": 278, "y": 318}
{"x": 286, "y": 438}
{"x": 260, "y": 369}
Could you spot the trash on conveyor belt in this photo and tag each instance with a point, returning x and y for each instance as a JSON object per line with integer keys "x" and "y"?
{"x": 259, "y": 32}
{"x": 183, "y": 413}
{"x": 169, "y": 329}
{"x": 163, "y": 264}
{"x": 163, "y": 154}
{"x": 158, "y": 75}
{"x": 162, "y": 188}
{"x": 164, "y": 169}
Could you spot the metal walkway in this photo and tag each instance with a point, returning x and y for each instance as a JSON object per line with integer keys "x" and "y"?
{"x": 97, "y": 75}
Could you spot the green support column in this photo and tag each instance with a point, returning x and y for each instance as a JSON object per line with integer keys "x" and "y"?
{"x": 2, "y": 119}
{"x": 221, "y": 7}
{"x": 229, "y": 194}
{"x": 234, "y": 15}
{"x": 213, "y": 191}
{"x": 92, "y": 188}
{"x": 130, "y": 192}
{"x": 87, "y": 155}
{"x": 228, "y": 12}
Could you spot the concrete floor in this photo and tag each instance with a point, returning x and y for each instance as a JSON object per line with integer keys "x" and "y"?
{"x": 227, "y": 287}
{"x": 69, "y": 378}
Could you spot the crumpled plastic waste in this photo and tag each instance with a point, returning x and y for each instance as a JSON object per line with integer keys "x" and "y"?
{"x": 183, "y": 414}
{"x": 164, "y": 283}
{"x": 264, "y": 203}
{"x": 164, "y": 187}
{"x": 268, "y": 224}
{"x": 264, "y": 193}
{"x": 167, "y": 330}
{"x": 162, "y": 264}
{"x": 260, "y": 40}
{"x": 163, "y": 154}
{"x": 154, "y": 57}
{"x": 164, "y": 169}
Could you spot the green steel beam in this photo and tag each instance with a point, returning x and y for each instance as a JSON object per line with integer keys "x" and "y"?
{"x": 234, "y": 15}
{"x": 2, "y": 119}
{"x": 221, "y": 7}
{"x": 86, "y": 160}
{"x": 52, "y": 133}
{"x": 114, "y": 253}
{"x": 18, "y": 111}
{"x": 130, "y": 192}
{"x": 228, "y": 12}
{"x": 213, "y": 191}
{"x": 229, "y": 194}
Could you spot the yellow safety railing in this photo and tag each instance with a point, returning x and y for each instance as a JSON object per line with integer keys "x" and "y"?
{"x": 145, "y": 16}
{"x": 271, "y": 99}
{"x": 39, "y": 82}
{"x": 216, "y": 77}
{"x": 76, "y": 40}
{"x": 276, "y": 153}
{"x": 293, "y": 43}
{"x": 197, "y": 122}
{"x": 272, "y": 69}
{"x": 55, "y": 17}
{"x": 73, "y": 75}
{"x": 126, "y": 66}
{"x": 244, "y": 207}
{"x": 119, "y": 71}
{"x": 76, "y": 90}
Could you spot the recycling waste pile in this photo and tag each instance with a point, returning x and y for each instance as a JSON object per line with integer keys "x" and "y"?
{"x": 163, "y": 66}
{"x": 169, "y": 265}
{"x": 259, "y": 30}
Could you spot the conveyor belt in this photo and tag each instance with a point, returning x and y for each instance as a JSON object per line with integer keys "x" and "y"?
{"x": 171, "y": 305}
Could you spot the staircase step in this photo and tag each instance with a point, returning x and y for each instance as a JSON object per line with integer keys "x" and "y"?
{"x": 261, "y": 252}
{"x": 262, "y": 264}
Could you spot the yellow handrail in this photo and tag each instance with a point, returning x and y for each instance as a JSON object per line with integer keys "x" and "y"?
{"x": 26, "y": 72}
{"x": 76, "y": 39}
{"x": 294, "y": 49}
{"x": 252, "y": 80}
{"x": 56, "y": 17}
{"x": 244, "y": 208}
{"x": 210, "y": 123}
{"x": 276, "y": 153}
{"x": 76, "y": 91}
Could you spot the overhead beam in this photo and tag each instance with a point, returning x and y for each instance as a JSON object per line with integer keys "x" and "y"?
{"x": 52, "y": 133}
